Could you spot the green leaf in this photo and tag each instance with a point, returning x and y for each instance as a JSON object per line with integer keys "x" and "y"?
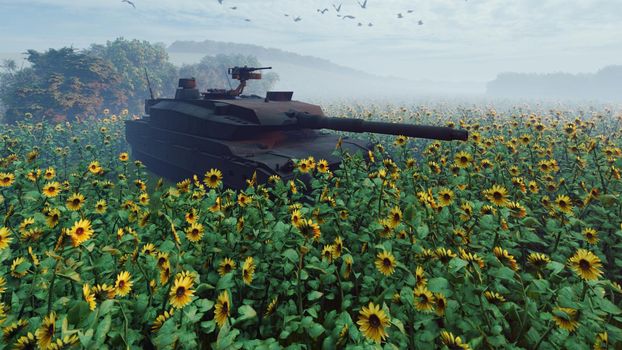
{"x": 438, "y": 285}
{"x": 85, "y": 338}
{"x": 102, "y": 329}
{"x": 105, "y": 307}
{"x": 315, "y": 330}
{"x": 225, "y": 282}
{"x": 246, "y": 312}
{"x": 456, "y": 264}
{"x": 314, "y": 295}
{"x": 397, "y": 323}
{"x": 291, "y": 255}
{"x": 609, "y": 307}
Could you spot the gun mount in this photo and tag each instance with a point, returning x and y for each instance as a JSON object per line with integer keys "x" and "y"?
{"x": 242, "y": 135}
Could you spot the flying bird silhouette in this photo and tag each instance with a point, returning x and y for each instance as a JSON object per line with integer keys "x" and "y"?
{"x": 129, "y": 2}
{"x": 337, "y": 8}
{"x": 370, "y": 24}
{"x": 363, "y": 5}
{"x": 410, "y": 11}
{"x": 322, "y": 11}
{"x": 360, "y": 24}
{"x": 297, "y": 19}
{"x": 234, "y": 7}
{"x": 348, "y": 17}
{"x": 220, "y": 2}
{"x": 247, "y": 20}
{"x": 399, "y": 15}
{"x": 420, "y": 22}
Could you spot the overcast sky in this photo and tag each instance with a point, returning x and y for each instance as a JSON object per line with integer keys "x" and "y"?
{"x": 459, "y": 40}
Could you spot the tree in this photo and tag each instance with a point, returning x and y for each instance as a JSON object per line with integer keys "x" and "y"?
{"x": 130, "y": 58}
{"x": 60, "y": 84}
{"x": 211, "y": 72}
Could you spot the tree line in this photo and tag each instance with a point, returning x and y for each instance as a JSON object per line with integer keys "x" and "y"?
{"x": 605, "y": 84}
{"x": 65, "y": 84}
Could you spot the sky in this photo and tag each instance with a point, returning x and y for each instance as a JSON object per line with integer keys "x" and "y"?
{"x": 459, "y": 40}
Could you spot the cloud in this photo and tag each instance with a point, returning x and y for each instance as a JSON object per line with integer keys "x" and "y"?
{"x": 461, "y": 39}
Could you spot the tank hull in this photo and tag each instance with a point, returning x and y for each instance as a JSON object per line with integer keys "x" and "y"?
{"x": 177, "y": 155}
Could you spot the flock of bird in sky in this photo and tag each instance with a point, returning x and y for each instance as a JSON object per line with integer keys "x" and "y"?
{"x": 337, "y": 9}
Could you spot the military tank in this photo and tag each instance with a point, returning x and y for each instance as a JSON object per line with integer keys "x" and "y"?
{"x": 246, "y": 135}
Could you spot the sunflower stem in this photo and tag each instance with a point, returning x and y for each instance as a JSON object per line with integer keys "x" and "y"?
{"x": 544, "y": 336}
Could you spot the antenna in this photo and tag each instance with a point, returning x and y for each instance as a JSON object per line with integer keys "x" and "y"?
{"x": 228, "y": 80}
{"x": 148, "y": 83}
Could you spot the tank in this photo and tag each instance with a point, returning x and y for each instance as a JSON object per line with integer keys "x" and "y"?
{"x": 246, "y": 135}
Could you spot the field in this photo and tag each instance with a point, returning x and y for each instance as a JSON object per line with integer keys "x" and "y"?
{"x": 511, "y": 240}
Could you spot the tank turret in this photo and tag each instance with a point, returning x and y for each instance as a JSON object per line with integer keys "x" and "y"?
{"x": 245, "y": 135}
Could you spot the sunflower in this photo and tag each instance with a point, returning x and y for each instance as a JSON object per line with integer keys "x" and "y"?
{"x": 308, "y": 228}
{"x": 602, "y": 341}
{"x": 445, "y": 197}
{"x": 101, "y": 206}
{"x": 244, "y": 200}
{"x": 400, "y": 141}
{"x": 424, "y": 299}
{"x": 25, "y": 342}
{"x": 566, "y": 318}
{"x": 2, "y": 288}
{"x": 372, "y": 322}
{"x": 14, "y": 328}
{"x": 538, "y": 260}
{"x": 102, "y": 292}
{"x": 212, "y": 178}
{"x": 327, "y": 252}
{"x": 296, "y": 218}
{"x": 463, "y": 159}
{"x": 385, "y": 263}
{"x": 89, "y": 297}
{"x": 472, "y": 258}
{"x": 440, "y": 304}
{"x": 6, "y": 179}
{"x": 494, "y": 297}
{"x": 94, "y": 167}
{"x": 80, "y": 232}
{"x": 272, "y": 306}
{"x": 5, "y": 238}
{"x": 505, "y": 257}
{"x": 395, "y": 217}
{"x": 248, "y": 270}
{"x": 159, "y": 321}
{"x": 497, "y": 195}
{"x": 45, "y": 332}
{"x": 444, "y": 255}
{"x": 590, "y": 235}
{"x": 564, "y": 204}
{"x": 303, "y": 166}
{"x": 586, "y": 264}
{"x": 51, "y": 189}
{"x": 123, "y": 156}
{"x": 222, "y": 310}
{"x": 226, "y": 265}
{"x": 75, "y": 201}
{"x": 337, "y": 247}
{"x": 421, "y": 281}
{"x": 123, "y": 284}
{"x": 453, "y": 342}
{"x": 181, "y": 292}
{"x": 322, "y": 166}
{"x": 194, "y": 232}
{"x": 347, "y": 261}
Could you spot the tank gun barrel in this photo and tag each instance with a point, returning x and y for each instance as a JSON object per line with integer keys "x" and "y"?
{"x": 312, "y": 121}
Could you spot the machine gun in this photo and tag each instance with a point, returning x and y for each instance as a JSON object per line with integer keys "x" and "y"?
{"x": 243, "y": 74}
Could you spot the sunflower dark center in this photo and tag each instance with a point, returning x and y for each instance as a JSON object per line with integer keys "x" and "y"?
{"x": 180, "y": 292}
{"x": 497, "y": 195}
{"x": 464, "y": 159}
{"x": 195, "y": 232}
{"x": 52, "y": 188}
{"x": 121, "y": 284}
{"x": 584, "y": 264}
{"x": 213, "y": 178}
{"x": 374, "y": 321}
{"x": 446, "y": 196}
{"x": 51, "y": 329}
{"x": 396, "y": 217}
{"x": 76, "y": 201}
{"x": 225, "y": 307}
{"x": 386, "y": 262}
{"x": 227, "y": 268}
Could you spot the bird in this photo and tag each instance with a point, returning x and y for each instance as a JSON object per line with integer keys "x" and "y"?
{"x": 360, "y": 24}
{"x": 337, "y": 8}
{"x": 297, "y": 19}
{"x": 370, "y": 24}
{"x": 363, "y": 5}
{"x": 286, "y": 15}
{"x": 348, "y": 17}
{"x": 420, "y": 22}
{"x": 322, "y": 11}
{"x": 233, "y": 7}
{"x": 220, "y": 2}
{"x": 399, "y": 15}
{"x": 247, "y": 20}
{"x": 129, "y": 2}
{"x": 410, "y": 11}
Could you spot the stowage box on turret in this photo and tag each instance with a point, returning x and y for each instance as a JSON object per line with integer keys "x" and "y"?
{"x": 240, "y": 135}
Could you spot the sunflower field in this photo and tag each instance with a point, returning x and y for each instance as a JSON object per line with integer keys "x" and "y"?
{"x": 511, "y": 240}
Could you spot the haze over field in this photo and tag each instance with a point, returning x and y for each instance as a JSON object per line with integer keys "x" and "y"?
{"x": 450, "y": 46}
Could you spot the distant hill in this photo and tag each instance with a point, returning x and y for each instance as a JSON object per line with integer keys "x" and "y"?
{"x": 606, "y": 84}
{"x": 310, "y": 76}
